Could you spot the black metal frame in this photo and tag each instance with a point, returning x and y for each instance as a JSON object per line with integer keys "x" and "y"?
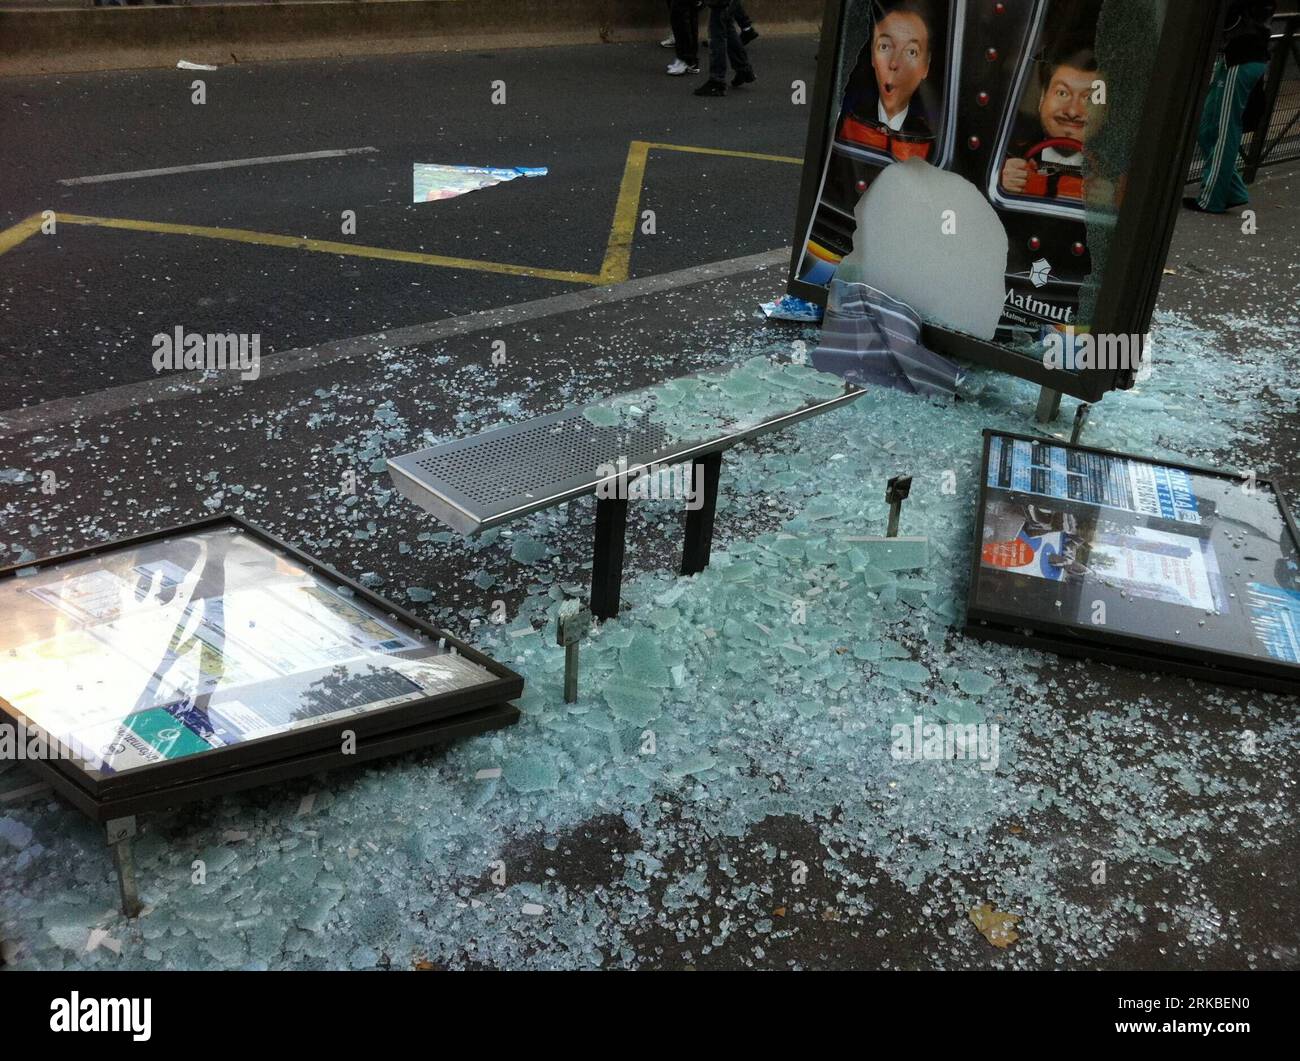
{"x": 607, "y": 556}
{"x": 1285, "y": 48}
{"x": 395, "y": 742}
{"x": 1069, "y": 639}
{"x": 1143, "y": 229}
{"x": 277, "y": 756}
{"x": 698, "y": 543}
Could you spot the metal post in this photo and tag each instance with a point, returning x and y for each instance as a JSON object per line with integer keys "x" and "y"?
{"x": 698, "y": 544}
{"x": 119, "y": 832}
{"x": 896, "y": 491}
{"x": 1080, "y": 419}
{"x": 571, "y": 626}
{"x": 607, "y": 556}
{"x": 1049, "y": 405}
{"x": 1272, "y": 88}
{"x": 571, "y": 673}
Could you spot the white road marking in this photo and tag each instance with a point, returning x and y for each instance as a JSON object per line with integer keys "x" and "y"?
{"x": 232, "y": 163}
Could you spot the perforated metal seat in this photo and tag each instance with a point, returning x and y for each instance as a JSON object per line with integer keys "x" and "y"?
{"x": 499, "y": 475}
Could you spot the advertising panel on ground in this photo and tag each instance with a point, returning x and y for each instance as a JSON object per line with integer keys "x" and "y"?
{"x": 187, "y": 653}
{"x": 1097, "y": 553}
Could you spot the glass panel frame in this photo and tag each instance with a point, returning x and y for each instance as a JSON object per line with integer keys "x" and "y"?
{"x": 277, "y": 664}
{"x": 1091, "y": 552}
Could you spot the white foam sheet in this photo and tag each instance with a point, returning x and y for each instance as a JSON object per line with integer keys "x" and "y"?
{"x": 950, "y": 268}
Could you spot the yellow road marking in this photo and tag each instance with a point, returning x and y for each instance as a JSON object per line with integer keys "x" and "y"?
{"x": 618, "y": 253}
{"x": 727, "y": 153}
{"x": 617, "y": 265}
{"x": 15, "y": 234}
{"x": 325, "y": 246}
{"x": 615, "y": 268}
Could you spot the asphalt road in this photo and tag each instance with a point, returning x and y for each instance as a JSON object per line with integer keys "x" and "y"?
{"x": 78, "y": 308}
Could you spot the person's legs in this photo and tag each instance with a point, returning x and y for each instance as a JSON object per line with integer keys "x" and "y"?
{"x": 719, "y": 22}
{"x": 1238, "y": 193}
{"x": 1207, "y": 133}
{"x": 736, "y": 52}
{"x": 1221, "y": 132}
{"x": 686, "y": 31}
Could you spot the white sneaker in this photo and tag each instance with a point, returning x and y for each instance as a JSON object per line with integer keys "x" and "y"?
{"x": 668, "y": 42}
{"x": 676, "y": 68}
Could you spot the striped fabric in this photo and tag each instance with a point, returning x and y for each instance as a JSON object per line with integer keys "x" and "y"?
{"x": 870, "y": 338}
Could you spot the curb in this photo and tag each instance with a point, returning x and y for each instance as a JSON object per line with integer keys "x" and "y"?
{"x": 117, "y": 399}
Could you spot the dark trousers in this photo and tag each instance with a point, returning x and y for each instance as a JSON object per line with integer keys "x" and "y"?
{"x": 1221, "y": 131}
{"x": 724, "y": 41}
{"x": 685, "y": 22}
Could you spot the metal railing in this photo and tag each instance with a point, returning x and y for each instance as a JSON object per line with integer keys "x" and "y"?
{"x": 1277, "y": 137}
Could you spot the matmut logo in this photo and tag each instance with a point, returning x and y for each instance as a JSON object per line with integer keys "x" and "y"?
{"x": 77, "y": 1014}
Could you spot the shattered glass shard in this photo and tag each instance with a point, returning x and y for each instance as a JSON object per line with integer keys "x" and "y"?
{"x": 632, "y": 703}
{"x": 642, "y": 662}
{"x": 526, "y": 550}
{"x": 693, "y": 764}
{"x": 602, "y": 415}
{"x": 531, "y": 773}
{"x": 895, "y": 554}
{"x": 974, "y": 683}
{"x": 904, "y": 670}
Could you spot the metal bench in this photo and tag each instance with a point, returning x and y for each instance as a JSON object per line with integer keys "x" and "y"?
{"x": 507, "y": 472}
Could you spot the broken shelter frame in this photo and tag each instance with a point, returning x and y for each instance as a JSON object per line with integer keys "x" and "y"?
{"x": 1003, "y": 624}
{"x": 1144, "y": 227}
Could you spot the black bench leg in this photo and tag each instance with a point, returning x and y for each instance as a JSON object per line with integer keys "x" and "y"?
{"x": 607, "y": 557}
{"x": 699, "y": 521}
